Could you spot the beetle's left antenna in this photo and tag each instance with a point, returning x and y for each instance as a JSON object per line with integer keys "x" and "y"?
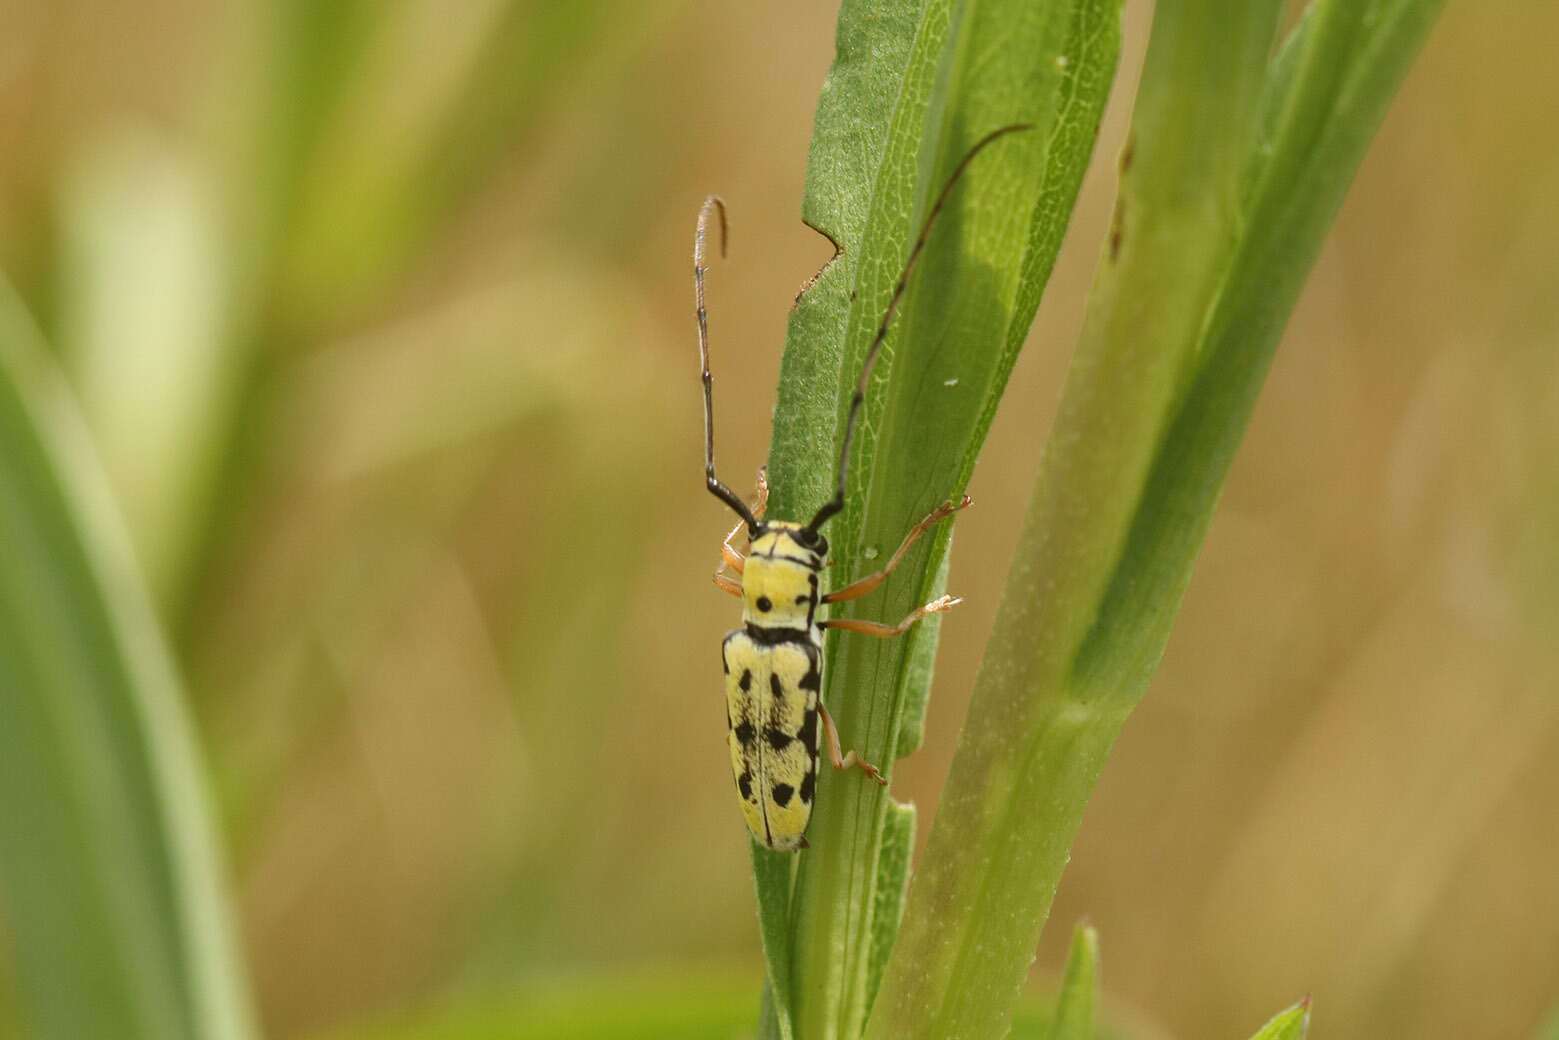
{"x": 712, "y": 204}
{"x": 835, "y": 504}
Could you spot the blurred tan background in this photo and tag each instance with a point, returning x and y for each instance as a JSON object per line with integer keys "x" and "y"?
{"x": 381, "y": 314}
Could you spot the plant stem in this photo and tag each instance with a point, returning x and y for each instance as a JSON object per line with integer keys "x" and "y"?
{"x": 1229, "y": 181}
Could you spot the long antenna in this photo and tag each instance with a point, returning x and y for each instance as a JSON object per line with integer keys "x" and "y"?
{"x": 836, "y": 503}
{"x": 719, "y": 490}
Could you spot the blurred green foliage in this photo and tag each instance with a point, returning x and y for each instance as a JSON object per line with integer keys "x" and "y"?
{"x": 669, "y": 1006}
{"x": 379, "y": 317}
{"x": 114, "y": 904}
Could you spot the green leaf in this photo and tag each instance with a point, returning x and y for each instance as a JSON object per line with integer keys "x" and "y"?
{"x": 1235, "y": 166}
{"x": 1292, "y": 1024}
{"x": 914, "y": 86}
{"x": 110, "y": 885}
{"x": 918, "y": 669}
{"x": 893, "y": 867}
{"x": 1077, "y": 1006}
{"x": 873, "y": 43}
{"x": 771, "y": 880}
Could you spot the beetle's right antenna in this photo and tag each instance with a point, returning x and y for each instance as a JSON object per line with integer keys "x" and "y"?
{"x": 833, "y": 505}
{"x": 712, "y": 204}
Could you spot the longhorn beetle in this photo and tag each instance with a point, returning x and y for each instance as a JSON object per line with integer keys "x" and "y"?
{"x": 774, "y": 663}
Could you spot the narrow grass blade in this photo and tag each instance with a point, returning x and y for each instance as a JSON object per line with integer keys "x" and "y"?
{"x": 1077, "y": 1007}
{"x": 110, "y": 885}
{"x": 1292, "y": 1024}
{"x": 893, "y": 865}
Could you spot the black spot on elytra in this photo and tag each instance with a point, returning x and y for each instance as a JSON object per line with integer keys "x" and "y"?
{"x": 777, "y": 688}
{"x": 808, "y": 788}
{"x": 744, "y": 785}
{"x": 746, "y": 680}
{"x": 804, "y": 598}
{"x": 813, "y": 680}
{"x": 764, "y": 604}
{"x": 745, "y": 733}
{"x": 778, "y": 739}
{"x": 783, "y": 793}
{"x": 809, "y": 732}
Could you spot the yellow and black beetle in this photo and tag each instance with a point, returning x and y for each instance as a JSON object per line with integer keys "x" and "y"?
{"x": 774, "y": 663}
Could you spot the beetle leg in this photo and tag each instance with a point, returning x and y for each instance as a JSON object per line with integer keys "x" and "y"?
{"x": 881, "y": 631}
{"x": 849, "y": 758}
{"x": 857, "y": 589}
{"x": 729, "y": 553}
{"x": 732, "y": 556}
